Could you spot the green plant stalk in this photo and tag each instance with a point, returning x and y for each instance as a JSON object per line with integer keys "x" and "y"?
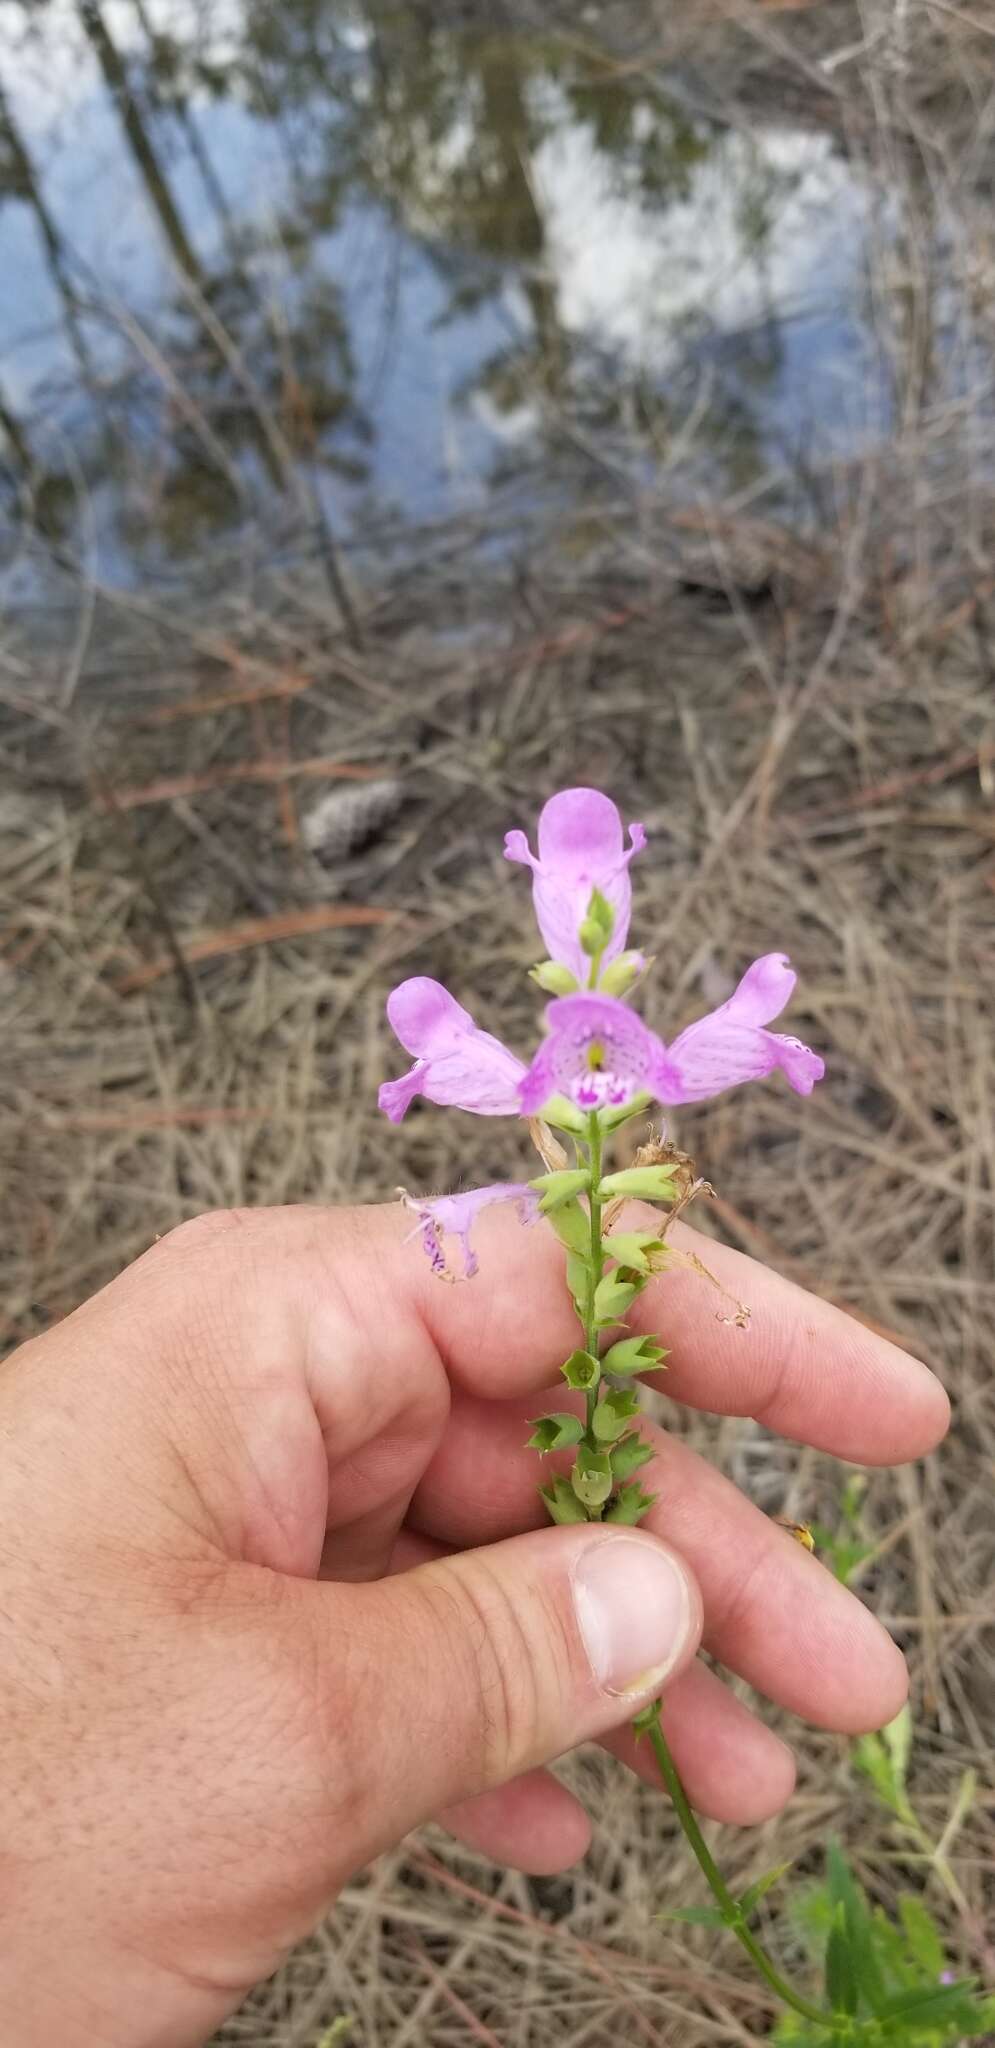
{"x": 595, "y": 1264}
{"x": 838, "y": 2023}
{"x": 842, "y": 2025}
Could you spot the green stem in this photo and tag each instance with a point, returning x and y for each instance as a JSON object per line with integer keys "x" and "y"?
{"x": 596, "y": 1261}
{"x": 841, "y": 2025}
{"x": 729, "y": 1907}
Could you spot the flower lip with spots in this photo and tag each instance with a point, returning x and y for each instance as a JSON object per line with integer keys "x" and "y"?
{"x": 581, "y": 849}
{"x": 598, "y": 1054}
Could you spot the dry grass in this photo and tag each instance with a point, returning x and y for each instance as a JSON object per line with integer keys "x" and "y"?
{"x": 815, "y": 763}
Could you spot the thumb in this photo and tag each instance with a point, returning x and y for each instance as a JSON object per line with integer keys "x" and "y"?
{"x": 454, "y": 1677}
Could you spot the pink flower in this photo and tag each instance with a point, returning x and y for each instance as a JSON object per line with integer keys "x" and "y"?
{"x": 581, "y": 848}
{"x": 456, "y": 1064}
{"x": 599, "y": 1054}
{"x": 455, "y": 1215}
{"x": 731, "y": 1045}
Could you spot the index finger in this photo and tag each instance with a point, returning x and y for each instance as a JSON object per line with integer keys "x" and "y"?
{"x": 801, "y": 1366}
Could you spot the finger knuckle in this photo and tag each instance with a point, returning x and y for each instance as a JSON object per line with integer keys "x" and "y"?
{"x": 497, "y": 1669}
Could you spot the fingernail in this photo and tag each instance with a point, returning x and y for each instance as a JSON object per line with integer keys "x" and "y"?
{"x": 634, "y": 1610}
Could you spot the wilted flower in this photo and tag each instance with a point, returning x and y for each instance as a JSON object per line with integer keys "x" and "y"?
{"x": 454, "y": 1216}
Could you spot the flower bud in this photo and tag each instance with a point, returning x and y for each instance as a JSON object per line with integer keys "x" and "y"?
{"x": 555, "y": 979}
{"x": 645, "y": 1183}
{"x": 563, "y": 1186}
{"x": 620, "y": 975}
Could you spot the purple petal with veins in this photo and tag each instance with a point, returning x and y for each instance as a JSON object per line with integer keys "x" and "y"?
{"x": 731, "y": 1045}
{"x": 581, "y": 848}
{"x": 456, "y": 1064}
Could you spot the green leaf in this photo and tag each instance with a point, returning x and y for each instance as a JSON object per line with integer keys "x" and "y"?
{"x": 630, "y": 1454}
{"x": 848, "y": 1898}
{"x": 760, "y": 1887}
{"x": 612, "y": 1413}
{"x": 591, "y": 1477}
{"x": 572, "y": 1225}
{"x": 935, "y": 2002}
{"x": 694, "y": 1916}
{"x": 841, "y": 1982}
{"x": 562, "y": 1502}
{"x": 630, "y": 1505}
{"x": 337, "y": 2035}
{"x": 555, "y": 1433}
{"x": 581, "y": 1371}
{"x": 554, "y": 978}
{"x": 563, "y": 1186}
{"x": 921, "y": 1934}
{"x": 634, "y": 1354}
{"x": 643, "y": 1183}
{"x": 615, "y": 1295}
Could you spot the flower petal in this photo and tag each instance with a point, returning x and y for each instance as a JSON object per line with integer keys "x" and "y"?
{"x": 598, "y": 1054}
{"x": 455, "y": 1215}
{"x": 456, "y": 1065}
{"x": 581, "y": 848}
{"x": 730, "y": 1045}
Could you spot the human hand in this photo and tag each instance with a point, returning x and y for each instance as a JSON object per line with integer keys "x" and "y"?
{"x": 247, "y": 1641}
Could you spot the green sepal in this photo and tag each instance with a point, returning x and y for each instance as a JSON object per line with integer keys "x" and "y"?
{"x": 760, "y": 1887}
{"x": 629, "y": 1454}
{"x": 562, "y": 1186}
{"x": 561, "y": 1502}
{"x": 643, "y": 1183}
{"x": 638, "y": 1249}
{"x": 555, "y": 1433}
{"x": 630, "y": 1505}
{"x": 612, "y": 1413}
{"x": 610, "y": 1119}
{"x": 591, "y": 1477}
{"x": 554, "y": 979}
{"x": 634, "y": 1354}
{"x": 620, "y": 975}
{"x": 581, "y": 1371}
{"x": 561, "y": 1113}
{"x": 572, "y": 1225}
{"x": 646, "y": 1719}
{"x": 577, "y": 1280}
{"x": 694, "y": 1916}
{"x": 616, "y": 1293}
